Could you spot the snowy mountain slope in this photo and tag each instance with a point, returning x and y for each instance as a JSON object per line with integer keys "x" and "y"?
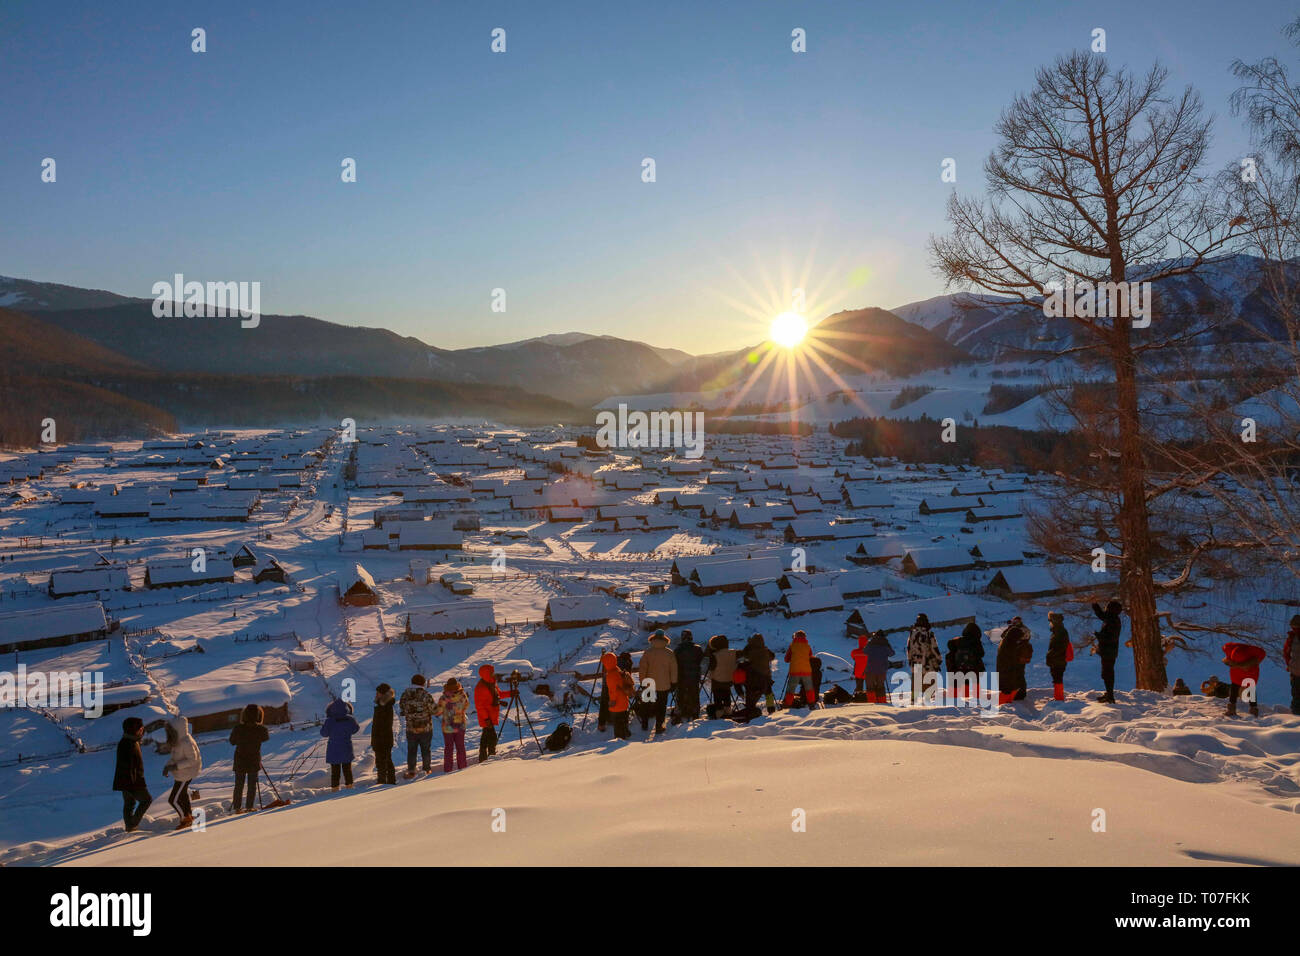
{"x": 32, "y": 296}
{"x": 878, "y": 786}
{"x": 1228, "y": 298}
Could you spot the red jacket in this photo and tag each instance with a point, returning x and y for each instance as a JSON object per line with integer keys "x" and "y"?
{"x": 1292, "y": 664}
{"x": 1243, "y": 661}
{"x": 859, "y": 656}
{"x": 487, "y": 697}
{"x": 617, "y": 681}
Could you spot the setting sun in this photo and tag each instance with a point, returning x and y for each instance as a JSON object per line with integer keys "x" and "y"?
{"x": 788, "y": 329}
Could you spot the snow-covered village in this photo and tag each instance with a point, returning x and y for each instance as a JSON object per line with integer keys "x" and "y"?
{"x": 724, "y": 437}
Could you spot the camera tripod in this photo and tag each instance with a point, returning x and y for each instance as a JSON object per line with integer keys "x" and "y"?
{"x": 518, "y": 709}
{"x": 591, "y": 697}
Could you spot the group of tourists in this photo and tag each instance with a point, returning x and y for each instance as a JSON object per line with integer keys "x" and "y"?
{"x": 673, "y": 683}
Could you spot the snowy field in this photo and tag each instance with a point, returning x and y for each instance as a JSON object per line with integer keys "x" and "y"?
{"x": 522, "y": 519}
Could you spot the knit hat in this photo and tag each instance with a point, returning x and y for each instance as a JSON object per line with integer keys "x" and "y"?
{"x": 418, "y": 680}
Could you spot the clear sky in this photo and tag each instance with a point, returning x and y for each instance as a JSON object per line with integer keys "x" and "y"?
{"x": 522, "y": 170}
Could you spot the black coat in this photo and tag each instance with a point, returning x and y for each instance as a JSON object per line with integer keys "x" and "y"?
{"x": 1108, "y": 636}
{"x": 757, "y": 658}
{"x": 1060, "y": 640}
{"x": 1014, "y": 653}
{"x": 248, "y": 740}
{"x": 129, "y": 772}
{"x": 966, "y": 653}
{"x": 689, "y": 658}
{"x": 381, "y": 726}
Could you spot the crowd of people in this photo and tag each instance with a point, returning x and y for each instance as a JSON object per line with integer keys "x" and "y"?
{"x": 673, "y": 683}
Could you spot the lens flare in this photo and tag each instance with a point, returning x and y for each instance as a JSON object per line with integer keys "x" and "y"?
{"x": 788, "y": 329}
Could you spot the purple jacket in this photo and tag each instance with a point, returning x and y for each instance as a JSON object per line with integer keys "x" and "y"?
{"x": 339, "y": 727}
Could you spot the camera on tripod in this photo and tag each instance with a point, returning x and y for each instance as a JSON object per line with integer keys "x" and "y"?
{"x": 513, "y": 680}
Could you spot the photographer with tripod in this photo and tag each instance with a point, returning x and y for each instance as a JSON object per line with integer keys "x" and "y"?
{"x": 487, "y": 704}
{"x": 618, "y": 683}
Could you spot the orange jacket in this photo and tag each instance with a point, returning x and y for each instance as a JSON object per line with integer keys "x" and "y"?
{"x": 487, "y": 697}
{"x": 799, "y": 657}
{"x": 618, "y": 683}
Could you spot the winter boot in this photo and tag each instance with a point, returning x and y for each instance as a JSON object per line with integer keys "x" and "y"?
{"x": 409, "y": 775}
{"x": 1005, "y": 698}
{"x": 1058, "y": 692}
{"x": 1106, "y": 698}
{"x": 1254, "y": 708}
{"x": 185, "y": 823}
{"x": 1231, "y": 711}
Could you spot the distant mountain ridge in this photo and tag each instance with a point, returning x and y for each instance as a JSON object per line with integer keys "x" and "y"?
{"x": 93, "y": 391}
{"x": 93, "y": 336}
{"x": 574, "y": 367}
{"x": 1226, "y": 298}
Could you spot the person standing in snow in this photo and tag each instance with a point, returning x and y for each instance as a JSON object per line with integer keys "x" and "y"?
{"x": 859, "y": 656}
{"x": 487, "y": 706}
{"x": 183, "y": 765}
{"x": 618, "y": 683}
{"x": 416, "y": 706}
{"x": 1059, "y": 652}
{"x": 722, "y": 666}
{"x": 381, "y": 734}
{"x": 247, "y": 736}
{"x": 1243, "y": 663}
{"x": 452, "y": 707}
{"x": 689, "y": 657}
{"x": 966, "y": 656}
{"x": 757, "y": 660}
{"x": 658, "y": 664}
{"x": 1106, "y": 645}
{"x": 1291, "y": 658}
{"x": 923, "y": 655}
{"x": 799, "y": 656}
{"x": 1014, "y": 652}
{"x": 878, "y": 652}
{"x": 339, "y": 728}
{"x": 128, "y": 774}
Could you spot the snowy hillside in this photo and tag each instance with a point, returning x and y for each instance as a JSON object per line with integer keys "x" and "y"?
{"x": 878, "y": 786}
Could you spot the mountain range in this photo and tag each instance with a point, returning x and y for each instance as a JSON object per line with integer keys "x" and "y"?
{"x": 198, "y": 371}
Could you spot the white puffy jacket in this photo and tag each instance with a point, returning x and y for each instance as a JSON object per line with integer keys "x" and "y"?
{"x": 185, "y": 763}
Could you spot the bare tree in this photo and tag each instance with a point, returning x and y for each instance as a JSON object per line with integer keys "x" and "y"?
{"x": 1097, "y": 178}
{"x": 1249, "y": 411}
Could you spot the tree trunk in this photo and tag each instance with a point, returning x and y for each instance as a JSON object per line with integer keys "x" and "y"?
{"x": 1137, "y": 588}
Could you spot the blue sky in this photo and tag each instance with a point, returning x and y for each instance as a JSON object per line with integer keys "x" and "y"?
{"x": 523, "y": 170}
